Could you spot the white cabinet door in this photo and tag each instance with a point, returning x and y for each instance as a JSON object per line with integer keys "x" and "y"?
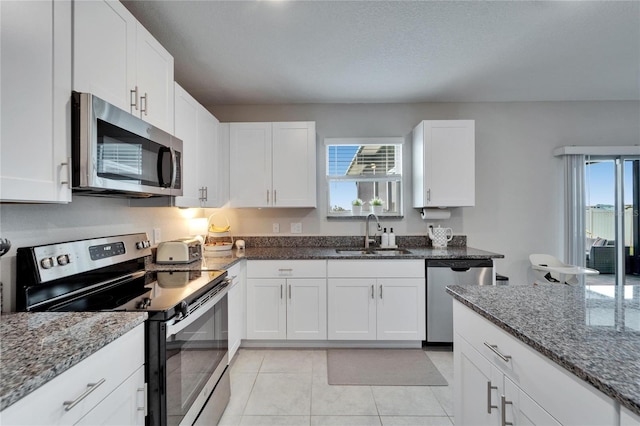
{"x": 118, "y": 60}
{"x": 476, "y": 392}
{"x": 203, "y": 168}
{"x": 627, "y": 418}
{"x": 154, "y": 78}
{"x": 266, "y": 309}
{"x": 250, "y": 163}
{"x": 104, "y": 50}
{"x": 186, "y": 128}
{"x": 439, "y": 145}
{"x": 520, "y": 409}
{"x": 401, "y": 309}
{"x": 273, "y": 164}
{"x": 212, "y": 163}
{"x": 35, "y": 88}
{"x": 294, "y": 164}
{"x": 352, "y": 309}
{"x": 307, "y": 308}
{"x": 123, "y": 406}
{"x": 236, "y": 312}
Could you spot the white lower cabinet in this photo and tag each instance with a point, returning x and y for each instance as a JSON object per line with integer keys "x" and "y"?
{"x": 627, "y": 418}
{"x": 115, "y": 374}
{"x": 236, "y": 313}
{"x": 499, "y": 380}
{"x": 293, "y": 305}
{"x": 376, "y": 300}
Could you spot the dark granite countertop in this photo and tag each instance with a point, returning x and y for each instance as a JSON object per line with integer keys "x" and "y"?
{"x": 591, "y": 331}
{"x": 36, "y": 347}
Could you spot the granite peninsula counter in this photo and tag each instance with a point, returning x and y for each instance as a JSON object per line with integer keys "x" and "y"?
{"x": 592, "y": 332}
{"x": 36, "y": 347}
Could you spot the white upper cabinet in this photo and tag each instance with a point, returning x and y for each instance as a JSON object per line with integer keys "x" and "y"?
{"x": 36, "y": 90}
{"x": 273, "y": 164}
{"x": 118, "y": 60}
{"x": 444, "y": 163}
{"x": 203, "y": 170}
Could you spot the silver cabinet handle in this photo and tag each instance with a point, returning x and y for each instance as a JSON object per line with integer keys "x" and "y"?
{"x": 289, "y": 291}
{"x": 68, "y": 165}
{"x": 280, "y": 291}
{"x": 373, "y": 296}
{"x": 274, "y": 196}
{"x": 134, "y": 103}
{"x": 428, "y": 194}
{"x": 285, "y": 269}
{"x": 68, "y": 405}
{"x": 267, "y": 196}
{"x": 380, "y": 291}
{"x": 494, "y": 349}
{"x": 489, "y": 388}
{"x": 146, "y": 102}
{"x": 504, "y": 403}
{"x": 144, "y": 399}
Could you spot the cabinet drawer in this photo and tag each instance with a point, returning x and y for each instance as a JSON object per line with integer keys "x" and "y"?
{"x": 542, "y": 379}
{"x": 286, "y": 268}
{"x": 376, "y": 268}
{"x": 114, "y": 363}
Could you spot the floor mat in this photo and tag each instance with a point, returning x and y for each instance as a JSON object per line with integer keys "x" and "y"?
{"x": 382, "y": 367}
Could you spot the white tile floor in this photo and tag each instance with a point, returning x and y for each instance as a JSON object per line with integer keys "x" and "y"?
{"x": 289, "y": 387}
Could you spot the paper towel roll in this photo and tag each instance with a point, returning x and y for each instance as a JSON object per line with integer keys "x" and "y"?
{"x": 427, "y": 213}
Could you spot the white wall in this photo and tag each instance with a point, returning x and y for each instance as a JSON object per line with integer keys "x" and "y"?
{"x": 519, "y": 199}
{"x": 518, "y": 182}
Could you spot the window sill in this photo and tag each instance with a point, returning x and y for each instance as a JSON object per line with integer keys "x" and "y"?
{"x": 350, "y": 217}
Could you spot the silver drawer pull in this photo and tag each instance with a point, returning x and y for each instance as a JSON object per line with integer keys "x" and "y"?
{"x": 504, "y": 403}
{"x": 494, "y": 349}
{"x": 68, "y": 405}
{"x": 285, "y": 270}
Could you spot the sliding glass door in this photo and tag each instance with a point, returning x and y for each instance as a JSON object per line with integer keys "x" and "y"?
{"x": 612, "y": 186}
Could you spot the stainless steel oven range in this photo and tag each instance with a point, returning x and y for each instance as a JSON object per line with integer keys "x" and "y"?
{"x": 186, "y": 342}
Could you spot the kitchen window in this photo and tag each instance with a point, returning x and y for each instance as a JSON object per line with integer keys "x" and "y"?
{"x": 364, "y": 169}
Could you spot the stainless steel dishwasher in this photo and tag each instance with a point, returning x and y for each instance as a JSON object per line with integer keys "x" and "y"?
{"x": 444, "y": 272}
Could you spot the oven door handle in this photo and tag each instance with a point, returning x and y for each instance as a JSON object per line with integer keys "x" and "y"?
{"x": 176, "y": 326}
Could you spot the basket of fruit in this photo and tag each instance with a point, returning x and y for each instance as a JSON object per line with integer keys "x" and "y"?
{"x": 219, "y": 234}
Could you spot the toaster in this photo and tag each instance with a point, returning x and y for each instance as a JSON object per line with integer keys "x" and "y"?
{"x": 183, "y": 250}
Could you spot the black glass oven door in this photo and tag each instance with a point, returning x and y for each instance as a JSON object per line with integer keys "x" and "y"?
{"x": 195, "y": 356}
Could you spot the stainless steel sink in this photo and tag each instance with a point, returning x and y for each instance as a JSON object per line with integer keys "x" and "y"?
{"x": 391, "y": 252}
{"x": 373, "y": 252}
{"x": 354, "y": 252}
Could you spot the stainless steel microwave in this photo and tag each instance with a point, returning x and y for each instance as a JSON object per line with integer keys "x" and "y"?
{"x": 115, "y": 153}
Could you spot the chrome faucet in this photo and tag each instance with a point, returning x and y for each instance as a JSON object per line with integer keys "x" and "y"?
{"x": 367, "y": 240}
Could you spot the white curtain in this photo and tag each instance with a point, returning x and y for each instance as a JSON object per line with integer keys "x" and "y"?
{"x": 574, "y": 189}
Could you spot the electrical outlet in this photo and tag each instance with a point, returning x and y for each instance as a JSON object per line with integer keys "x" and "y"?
{"x": 296, "y": 228}
{"x": 276, "y": 228}
{"x": 156, "y": 235}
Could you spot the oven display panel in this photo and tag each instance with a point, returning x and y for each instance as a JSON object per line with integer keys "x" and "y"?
{"x": 106, "y": 250}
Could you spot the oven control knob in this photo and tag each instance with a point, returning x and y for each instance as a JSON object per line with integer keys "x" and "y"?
{"x": 63, "y": 259}
{"x": 140, "y": 245}
{"x": 146, "y": 244}
{"x": 183, "y": 308}
{"x": 47, "y": 262}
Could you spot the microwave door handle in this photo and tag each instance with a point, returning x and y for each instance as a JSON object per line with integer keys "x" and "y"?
{"x": 161, "y": 181}
{"x": 174, "y": 167}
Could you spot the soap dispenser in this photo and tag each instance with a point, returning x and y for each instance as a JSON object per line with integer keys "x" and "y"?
{"x": 392, "y": 238}
{"x": 385, "y": 238}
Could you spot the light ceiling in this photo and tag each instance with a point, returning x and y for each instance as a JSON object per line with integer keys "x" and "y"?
{"x": 276, "y": 52}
